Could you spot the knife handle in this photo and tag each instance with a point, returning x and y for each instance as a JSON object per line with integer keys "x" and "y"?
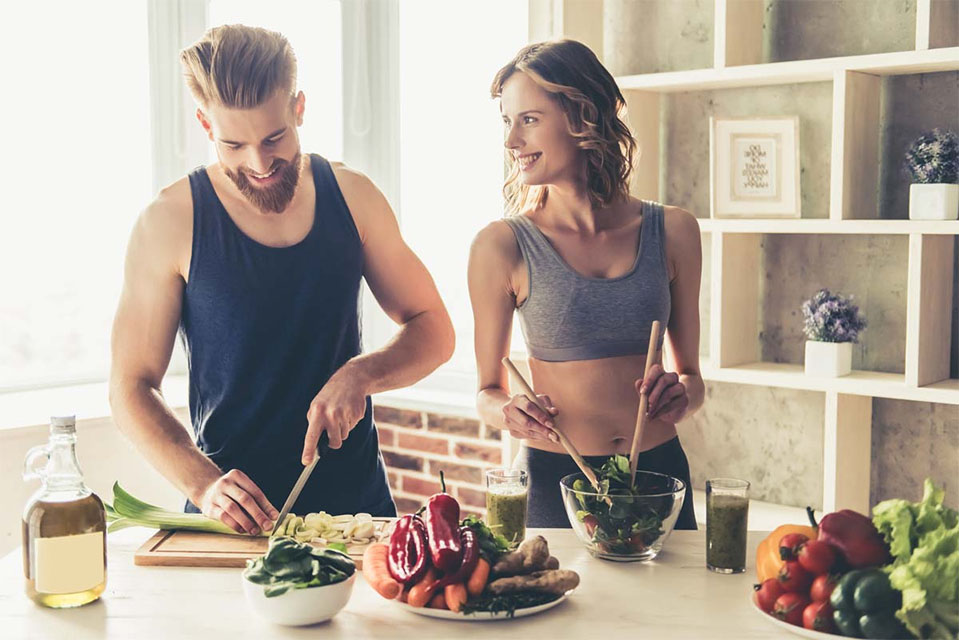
{"x": 323, "y": 446}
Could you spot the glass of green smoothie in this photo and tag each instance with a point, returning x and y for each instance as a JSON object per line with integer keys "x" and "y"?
{"x": 506, "y": 493}
{"x": 727, "y": 511}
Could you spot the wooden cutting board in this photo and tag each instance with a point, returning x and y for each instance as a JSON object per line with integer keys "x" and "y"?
{"x": 201, "y": 549}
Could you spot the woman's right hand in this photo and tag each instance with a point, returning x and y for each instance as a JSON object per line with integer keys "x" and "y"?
{"x": 526, "y": 421}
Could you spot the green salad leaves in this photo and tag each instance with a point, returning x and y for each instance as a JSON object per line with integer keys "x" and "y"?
{"x": 923, "y": 538}
{"x": 630, "y": 520}
{"x": 492, "y": 545}
{"x": 289, "y": 564}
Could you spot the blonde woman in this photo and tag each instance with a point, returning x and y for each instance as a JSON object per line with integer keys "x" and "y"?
{"x": 588, "y": 268}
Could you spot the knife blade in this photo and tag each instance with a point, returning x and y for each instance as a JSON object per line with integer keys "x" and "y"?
{"x": 321, "y": 450}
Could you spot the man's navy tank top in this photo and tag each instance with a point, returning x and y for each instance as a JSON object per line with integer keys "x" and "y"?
{"x": 264, "y": 328}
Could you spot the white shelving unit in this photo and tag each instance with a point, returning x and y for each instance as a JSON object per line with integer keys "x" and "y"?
{"x": 853, "y": 209}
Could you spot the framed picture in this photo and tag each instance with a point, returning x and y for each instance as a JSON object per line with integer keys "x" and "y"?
{"x": 754, "y": 167}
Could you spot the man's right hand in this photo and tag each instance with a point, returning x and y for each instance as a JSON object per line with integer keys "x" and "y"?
{"x": 237, "y": 502}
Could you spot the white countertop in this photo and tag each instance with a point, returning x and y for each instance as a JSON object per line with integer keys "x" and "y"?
{"x": 674, "y": 596}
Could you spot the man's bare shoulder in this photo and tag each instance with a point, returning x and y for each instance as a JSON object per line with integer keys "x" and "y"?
{"x": 164, "y": 229}
{"x": 367, "y": 204}
{"x": 172, "y": 209}
{"x": 354, "y": 184}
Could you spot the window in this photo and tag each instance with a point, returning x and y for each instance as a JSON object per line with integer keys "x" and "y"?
{"x": 451, "y": 142}
{"x": 77, "y": 171}
{"x": 91, "y": 146}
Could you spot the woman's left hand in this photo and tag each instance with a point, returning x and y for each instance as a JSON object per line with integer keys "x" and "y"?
{"x": 665, "y": 394}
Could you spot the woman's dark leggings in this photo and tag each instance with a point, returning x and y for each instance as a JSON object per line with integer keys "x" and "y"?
{"x": 545, "y": 470}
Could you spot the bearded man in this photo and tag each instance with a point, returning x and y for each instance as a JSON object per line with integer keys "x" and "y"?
{"x": 256, "y": 261}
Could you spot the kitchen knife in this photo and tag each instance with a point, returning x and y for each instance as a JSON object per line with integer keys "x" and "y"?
{"x": 321, "y": 450}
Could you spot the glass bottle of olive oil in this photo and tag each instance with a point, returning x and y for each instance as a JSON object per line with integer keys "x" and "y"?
{"x": 64, "y": 525}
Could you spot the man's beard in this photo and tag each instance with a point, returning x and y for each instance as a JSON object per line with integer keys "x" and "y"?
{"x": 273, "y": 199}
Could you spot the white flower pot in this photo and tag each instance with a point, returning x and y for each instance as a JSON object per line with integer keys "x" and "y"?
{"x": 828, "y": 359}
{"x": 934, "y": 201}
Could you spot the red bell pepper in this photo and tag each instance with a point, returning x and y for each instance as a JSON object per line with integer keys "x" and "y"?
{"x": 854, "y": 536}
{"x": 442, "y": 528}
{"x": 407, "y": 554}
{"x": 471, "y": 556}
{"x": 421, "y": 561}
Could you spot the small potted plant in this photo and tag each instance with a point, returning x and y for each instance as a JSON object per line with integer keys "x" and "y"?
{"x": 831, "y": 324}
{"x": 933, "y": 163}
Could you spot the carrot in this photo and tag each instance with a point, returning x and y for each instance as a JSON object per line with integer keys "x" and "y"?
{"x": 404, "y": 595}
{"x": 438, "y": 602}
{"x": 455, "y": 596}
{"x": 477, "y": 579}
{"x": 422, "y": 591}
{"x": 377, "y": 572}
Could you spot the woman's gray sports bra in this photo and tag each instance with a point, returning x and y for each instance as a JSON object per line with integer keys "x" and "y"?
{"x": 569, "y": 316}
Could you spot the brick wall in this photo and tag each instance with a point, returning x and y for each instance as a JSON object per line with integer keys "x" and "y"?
{"x": 418, "y": 444}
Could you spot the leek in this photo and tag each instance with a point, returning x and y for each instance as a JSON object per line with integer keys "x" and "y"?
{"x": 128, "y": 511}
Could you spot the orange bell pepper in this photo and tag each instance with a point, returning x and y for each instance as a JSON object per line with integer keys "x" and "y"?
{"x": 768, "y": 560}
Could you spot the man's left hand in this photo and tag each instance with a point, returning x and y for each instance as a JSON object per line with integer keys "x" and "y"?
{"x": 665, "y": 394}
{"x": 336, "y": 409}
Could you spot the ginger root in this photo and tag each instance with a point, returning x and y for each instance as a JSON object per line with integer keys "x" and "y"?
{"x": 552, "y": 562}
{"x": 557, "y": 581}
{"x": 531, "y": 556}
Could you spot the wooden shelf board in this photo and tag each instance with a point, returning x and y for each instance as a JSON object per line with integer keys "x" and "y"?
{"x": 862, "y": 383}
{"x": 825, "y": 225}
{"x": 795, "y": 71}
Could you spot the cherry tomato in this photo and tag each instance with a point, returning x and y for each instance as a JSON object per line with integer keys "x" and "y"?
{"x": 793, "y": 578}
{"x": 789, "y": 607}
{"x": 591, "y": 523}
{"x": 767, "y": 592}
{"x": 822, "y": 587}
{"x": 817, "y": 556}
{"x": 789, "y": 545}
{"x": 818, "y": 617}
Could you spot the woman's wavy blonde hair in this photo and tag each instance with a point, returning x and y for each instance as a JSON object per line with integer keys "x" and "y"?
{"x": 595, "y": 111}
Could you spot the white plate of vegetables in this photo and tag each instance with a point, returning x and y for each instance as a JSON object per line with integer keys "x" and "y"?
{"x": 493, "y": 609}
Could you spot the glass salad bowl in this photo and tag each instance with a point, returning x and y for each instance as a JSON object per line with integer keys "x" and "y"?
{"x": 624, "y": 524}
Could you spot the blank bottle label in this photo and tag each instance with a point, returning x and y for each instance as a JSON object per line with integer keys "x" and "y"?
{"x": 68, "y": 564}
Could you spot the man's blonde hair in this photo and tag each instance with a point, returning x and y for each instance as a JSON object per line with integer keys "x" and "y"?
{"x": 239, "y": 67}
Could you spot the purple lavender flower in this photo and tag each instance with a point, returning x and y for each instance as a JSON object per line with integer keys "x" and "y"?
{"x": 831, "y": 317}
{"x": 934, "y": 158}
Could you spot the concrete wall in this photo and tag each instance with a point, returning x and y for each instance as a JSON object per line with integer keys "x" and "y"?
{"x": 774, "y": 436}
{"x": 803, "y": 29}
{"x": 771, "y": 437}
{"x": 649, "y": 36}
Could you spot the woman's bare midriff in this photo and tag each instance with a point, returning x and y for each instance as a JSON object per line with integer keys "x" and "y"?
{"x": 597, "y": 404}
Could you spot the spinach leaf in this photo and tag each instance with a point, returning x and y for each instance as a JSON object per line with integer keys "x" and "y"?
{"x": 289, "y": 564}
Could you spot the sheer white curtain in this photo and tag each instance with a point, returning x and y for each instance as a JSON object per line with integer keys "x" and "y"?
{"x": 450, "y": 152}
{"x": 76, "y": 171}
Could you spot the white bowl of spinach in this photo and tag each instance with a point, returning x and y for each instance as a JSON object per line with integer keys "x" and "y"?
{"x": 621, "y": 521}
{"x": 298, "y": 584}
